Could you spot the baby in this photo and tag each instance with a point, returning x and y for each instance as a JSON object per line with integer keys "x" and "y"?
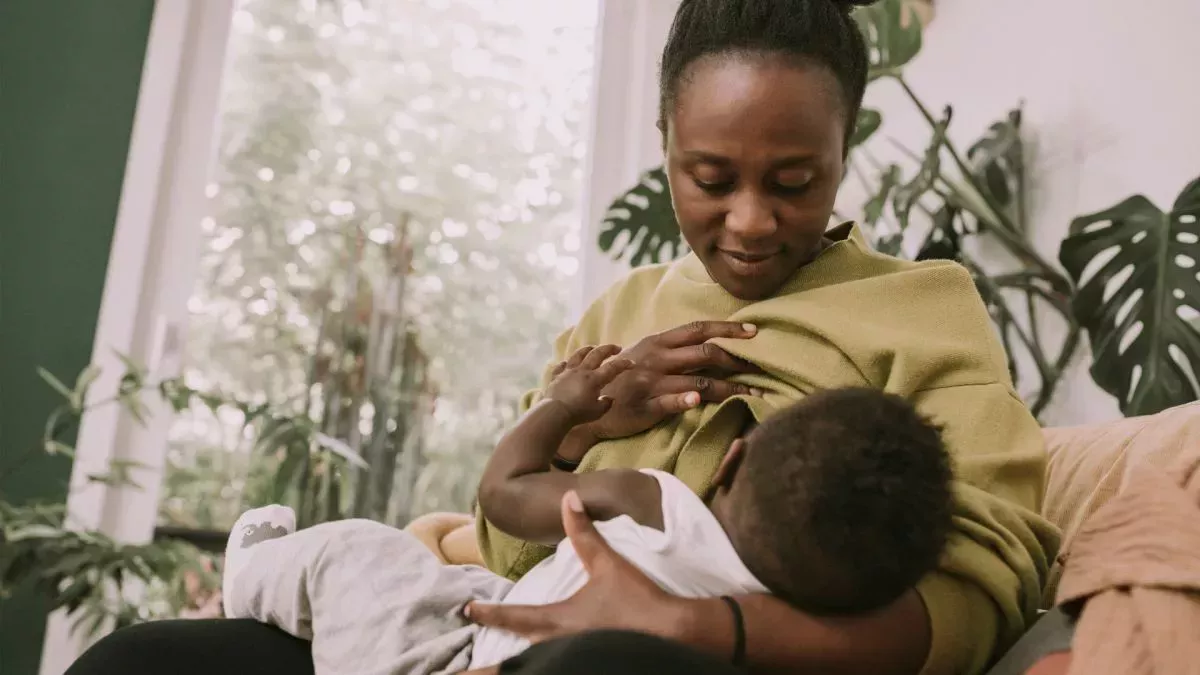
{"x": 837, "y": 504}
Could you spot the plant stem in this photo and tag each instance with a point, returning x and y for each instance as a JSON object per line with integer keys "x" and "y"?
{"x": 1004, "y": 228}
{"x": 1031, "y": 308}
{"x": 954, "y": 154}
{"x": 862, "y": 176}
{"x": 1070, "y": 343}
{"x": 56, "y": 427}
{"x": 1035, "y": 349}
{"x": 1024, "y": 281}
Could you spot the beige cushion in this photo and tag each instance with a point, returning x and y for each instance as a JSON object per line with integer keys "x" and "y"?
{"x": 1088, "y": 464}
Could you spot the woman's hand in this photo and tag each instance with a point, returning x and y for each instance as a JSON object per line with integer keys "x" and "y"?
{"x": 673, "y": 372}
{"x": 894, "y": 640}
{"x": 616, "y": 596}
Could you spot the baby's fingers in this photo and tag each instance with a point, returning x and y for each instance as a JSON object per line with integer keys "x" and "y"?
{"x": 579, "y": 356}
{"x": 611, "y": 369}
{"x": 599, "y": 355}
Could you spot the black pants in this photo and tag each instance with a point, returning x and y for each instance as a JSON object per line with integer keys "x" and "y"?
{"x": 244, "y": 647}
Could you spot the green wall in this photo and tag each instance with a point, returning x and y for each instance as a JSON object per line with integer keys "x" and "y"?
{"x": 69, "y": 73}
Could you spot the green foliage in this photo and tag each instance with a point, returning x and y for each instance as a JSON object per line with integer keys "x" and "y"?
{"x": 998, "y": 163}
{"x": 103, "y": 582}
{"x": 1136, "y": 269}
{"x": 95, "y": 578}
{"x": 384, "y": 169}
{"x": 865, "y": 126}
{"x": 1132, "y": 267}
{"x": 87, "y": 573}
{"x": 392, "y": 218}
{"x": 640, "y": 226}
{"x": 908, "y": 194}
{"x": 893, "y": 34}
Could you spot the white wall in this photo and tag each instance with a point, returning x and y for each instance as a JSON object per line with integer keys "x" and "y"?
{"x": 1111, "y": 100}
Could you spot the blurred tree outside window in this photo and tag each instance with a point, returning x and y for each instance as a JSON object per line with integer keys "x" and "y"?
{"x": 392, "y": 243}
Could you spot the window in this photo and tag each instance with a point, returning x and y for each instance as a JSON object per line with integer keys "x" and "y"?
{"x": 392, "y": 239}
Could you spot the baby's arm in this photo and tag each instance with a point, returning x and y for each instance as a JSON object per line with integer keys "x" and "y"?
{"x": 522, "y": 495}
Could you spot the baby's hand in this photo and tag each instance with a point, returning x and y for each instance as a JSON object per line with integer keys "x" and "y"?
{"x": 578, "y": 381}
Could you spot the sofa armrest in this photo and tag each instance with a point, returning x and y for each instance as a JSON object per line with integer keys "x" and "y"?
{"x": 1088, "y": 465}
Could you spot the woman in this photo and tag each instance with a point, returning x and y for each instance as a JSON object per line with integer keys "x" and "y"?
{"x": 758, "y": 100}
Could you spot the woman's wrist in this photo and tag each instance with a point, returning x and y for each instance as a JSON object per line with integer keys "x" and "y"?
{"x": 705, "y": 624}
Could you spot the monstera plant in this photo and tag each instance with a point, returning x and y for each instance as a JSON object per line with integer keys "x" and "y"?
{"x": 928, "y": 209}
{"x": 1137, "y": 270}
{"x": 1132, "y": 271}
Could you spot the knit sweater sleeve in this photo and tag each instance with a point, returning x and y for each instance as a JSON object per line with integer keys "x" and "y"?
{"x": 988, "y": 584}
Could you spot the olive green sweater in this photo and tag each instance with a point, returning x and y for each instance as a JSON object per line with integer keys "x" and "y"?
{"x": 854, "y": 317}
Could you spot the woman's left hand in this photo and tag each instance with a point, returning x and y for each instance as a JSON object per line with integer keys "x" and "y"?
{"x": 617, "y": 595}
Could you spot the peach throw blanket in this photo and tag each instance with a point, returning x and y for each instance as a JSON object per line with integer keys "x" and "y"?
{"x": 1135, "y": 566}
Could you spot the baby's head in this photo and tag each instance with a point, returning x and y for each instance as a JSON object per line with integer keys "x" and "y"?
{"x": 839, "y": 503}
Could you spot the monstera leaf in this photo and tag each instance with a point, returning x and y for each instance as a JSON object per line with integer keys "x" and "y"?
{"x": 893, "y": 33}
{"x": 865, "y": 126}
{"x": 644, "y": 215}
{"x": 998, "y": 163}
{"x": 944, "y": 241}
{"x": 873, "y": 210}
{"x": 1139, "y": 299}
{"x": 906, "y": 196}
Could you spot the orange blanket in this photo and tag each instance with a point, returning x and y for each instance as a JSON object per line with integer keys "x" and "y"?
{"x": 1135, "y": 567}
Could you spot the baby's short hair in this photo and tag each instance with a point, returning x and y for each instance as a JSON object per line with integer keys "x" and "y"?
{"x": 843, "y": 501}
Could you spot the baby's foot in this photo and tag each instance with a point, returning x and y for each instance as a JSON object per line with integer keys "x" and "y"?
{"x": 252, "y": 527}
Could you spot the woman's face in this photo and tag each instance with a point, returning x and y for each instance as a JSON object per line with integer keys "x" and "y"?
{"x": 754, "y": 157}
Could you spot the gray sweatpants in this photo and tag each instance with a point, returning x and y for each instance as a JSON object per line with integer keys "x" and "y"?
{"x": 372, "y": 599}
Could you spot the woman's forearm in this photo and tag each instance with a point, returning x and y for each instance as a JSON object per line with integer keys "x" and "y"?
{"x": 780, "y": 639}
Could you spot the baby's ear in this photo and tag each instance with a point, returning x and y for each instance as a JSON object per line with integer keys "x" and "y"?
{"x": 730, "y": 463}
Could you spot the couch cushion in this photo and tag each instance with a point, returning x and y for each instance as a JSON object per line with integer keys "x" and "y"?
{"x": 1088, "y": 465}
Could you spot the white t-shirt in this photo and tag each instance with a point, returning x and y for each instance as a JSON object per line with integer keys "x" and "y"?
{"x": 691, "y": 558}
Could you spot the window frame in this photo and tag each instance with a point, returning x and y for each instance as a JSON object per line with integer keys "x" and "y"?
{"x": 155, "y": 253}
{"x": 624, "y": 140}
{"x": 152, "y": 266}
